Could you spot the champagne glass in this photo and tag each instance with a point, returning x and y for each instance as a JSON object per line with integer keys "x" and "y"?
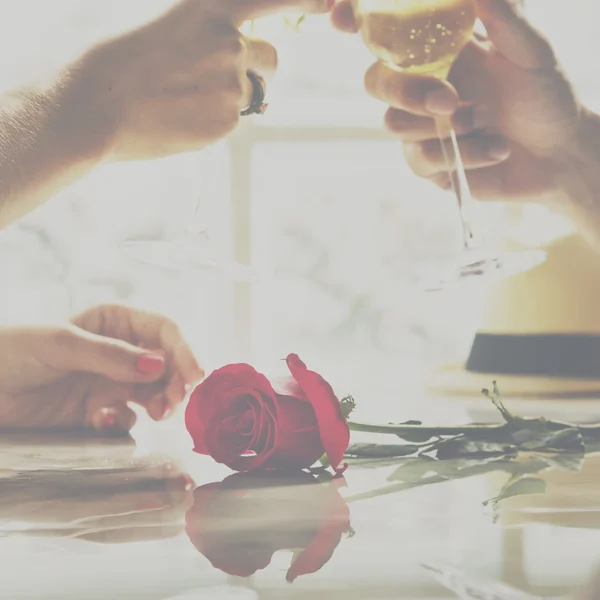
{"x": 193, "y": 249}
{"x": 189, "y": 252}
{"x": 425, "y": 37}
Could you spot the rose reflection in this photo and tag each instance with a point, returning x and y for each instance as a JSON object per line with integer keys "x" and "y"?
{"x": 239, "y": 523}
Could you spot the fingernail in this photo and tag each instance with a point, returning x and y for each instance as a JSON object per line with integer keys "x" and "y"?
{"x": 441, "y": 102}
{"x": 109, "y": 421}
{"x": 188, "y": 482}
{"x": 330, "y": 4}
{"x": 499, "y": 150}
{"x": 150, "y": 364}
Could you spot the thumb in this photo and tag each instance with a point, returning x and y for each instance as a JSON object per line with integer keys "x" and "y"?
{"x": 514, "y": 36}
{"x": 80, "y": 350}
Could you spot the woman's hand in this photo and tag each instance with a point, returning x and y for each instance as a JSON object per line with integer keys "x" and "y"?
{"x": 514, "y": 109}
{"x": 82, "y": 375}
{"x": 175, "y": 85}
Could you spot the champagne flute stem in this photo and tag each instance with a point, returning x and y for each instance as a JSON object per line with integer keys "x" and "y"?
{"x": 458, "y": 181}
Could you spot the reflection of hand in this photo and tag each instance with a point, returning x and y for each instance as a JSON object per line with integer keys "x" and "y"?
{"x": 143, "y": 501}
{"x": 174, "y": 85}
{"x": 82, "y": 375}
{"x": 517, "y": 110}
{"x": 240, "y": 523}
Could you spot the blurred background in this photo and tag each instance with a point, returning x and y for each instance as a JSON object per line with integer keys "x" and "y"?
{"x": 314, "y": 194}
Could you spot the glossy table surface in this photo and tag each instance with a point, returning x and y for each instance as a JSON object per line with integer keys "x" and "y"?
{"x": 85, "y": 518}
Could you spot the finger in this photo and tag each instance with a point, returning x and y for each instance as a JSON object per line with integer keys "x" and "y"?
{"x": 427, "y": 158}
{"x": 411, "y": 128}
{"x": 152, "y": 398}
{"x": 520, "y": 178}
{"x": 175, "y": 394}
{"x": 417, "y": 94}
{"x": 342, "y": 17}
{"x": 261, "y": 57}
{"x": 244, "y": 10}
{"x": 160, "y": 332}
{"x": 112, "y": 420}
{"x": 74, "y": 349}
{"x": 153, "y": 330}
{"x": 514, "y": 37}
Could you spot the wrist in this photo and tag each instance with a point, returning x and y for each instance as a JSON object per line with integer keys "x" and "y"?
{"x": 585, "y": 141}
{"x": 86, "y": 116}
{"x": 578, "y": 175}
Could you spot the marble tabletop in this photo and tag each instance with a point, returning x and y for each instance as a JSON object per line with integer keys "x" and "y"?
{"x": 84, "y": 518}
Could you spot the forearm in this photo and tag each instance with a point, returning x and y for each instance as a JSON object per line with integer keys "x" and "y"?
{"x": 579, "y": 178}
{"x": 47, "y": 141}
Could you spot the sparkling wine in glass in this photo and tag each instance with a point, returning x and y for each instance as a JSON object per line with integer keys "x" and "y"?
{"x": 424, "y": 37}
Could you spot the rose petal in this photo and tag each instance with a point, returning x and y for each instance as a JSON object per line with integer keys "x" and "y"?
{"x": 264, "y": 428}
{"x": 238, "y": 560}
{"x": 225, "y": 445}
{"x": 264, "y": 449}
{"x": 227, "y": 392}
{"x": 223, "y": 549}
{"x": 298, "y": 443}
{"x": 334, "y": 431}
{"x": 334, "y": 522}
{"x": 211, "y": 392}
{"x": 288, "y": 386}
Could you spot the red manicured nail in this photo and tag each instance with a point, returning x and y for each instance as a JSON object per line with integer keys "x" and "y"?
{"x": 109, "y": 421}
{"x": 188, "y": 482}
{"x": 150, "y": 364}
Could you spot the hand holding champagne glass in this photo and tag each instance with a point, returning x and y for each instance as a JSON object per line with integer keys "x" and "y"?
{"x": 424, "y": 37}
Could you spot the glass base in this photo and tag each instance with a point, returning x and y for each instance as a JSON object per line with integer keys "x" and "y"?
{"x": 481, "y": 266}
{"x": 187, "y": 256}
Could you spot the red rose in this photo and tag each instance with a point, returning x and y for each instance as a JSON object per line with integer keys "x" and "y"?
{"x": 240, "y": 523}
{"x": 246, "y": 422}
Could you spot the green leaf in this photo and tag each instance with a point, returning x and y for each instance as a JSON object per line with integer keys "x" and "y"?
{"x": 463, "y": 447}
{"x": 324, "y": 460}
{"x": 566, "y": 461}
{"x": 381, "y": 450}
{"x": 416, "y": 436}
{"x": 563, "y": 440}
{"x": 522, "y": 487}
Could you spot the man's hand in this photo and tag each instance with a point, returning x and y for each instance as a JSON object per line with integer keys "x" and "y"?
{"x": 512, "y": 106}
{"x": 179, "y": 83}
{"x": 174, "y": 85}
{"x": 82, "y": 375}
